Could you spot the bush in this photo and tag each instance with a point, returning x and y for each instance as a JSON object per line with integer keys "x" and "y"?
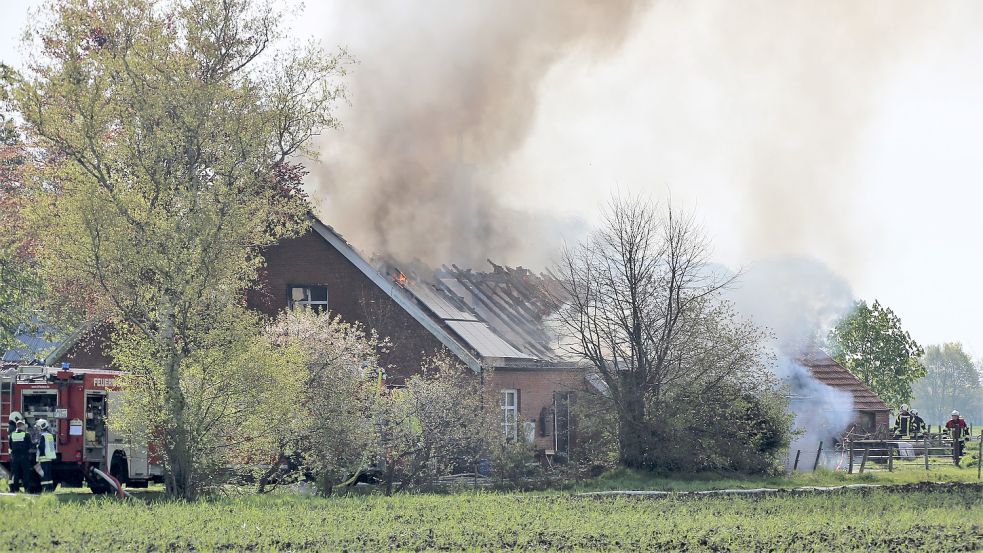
{"x": 748, "y": 434}
{"x": 514, "y": 464}
{"x": 741, "y": 429}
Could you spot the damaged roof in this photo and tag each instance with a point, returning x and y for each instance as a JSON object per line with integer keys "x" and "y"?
{"x": 826, "y": 370}
{"x": 502, "y": 315}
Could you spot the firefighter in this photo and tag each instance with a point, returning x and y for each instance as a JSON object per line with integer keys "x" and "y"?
{"x": 20, "y": 457}
{"x": 902, "y": 425}
{"x": 12, "y": 421}
{"x": 957, "y": 431}
{"x": 46, "y": 454}
{"x": 917, "y": 423}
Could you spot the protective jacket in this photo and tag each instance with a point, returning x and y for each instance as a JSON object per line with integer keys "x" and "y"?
{"x": 46, "y": 447}
{"x": 956, "y": 428}
{"x": 20, "y": 444}
{"x": 957, "y": 431}
{"x": 917, "y": 425}
{"x": 903, "y": 424}
{"x": 20, "y": 459}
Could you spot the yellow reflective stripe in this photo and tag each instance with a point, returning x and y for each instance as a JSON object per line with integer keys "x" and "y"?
{"x": 49, "y": 448}
{"x": 18, "y": 436}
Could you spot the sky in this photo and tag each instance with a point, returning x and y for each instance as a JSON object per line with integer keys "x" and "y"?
{"x": 845, "y": 132}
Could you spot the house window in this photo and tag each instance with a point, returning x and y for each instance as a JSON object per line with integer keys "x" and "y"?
{"x": 562, "y": 427}
{"x": 314, "y": 297}
{"x": 510, "y": 414}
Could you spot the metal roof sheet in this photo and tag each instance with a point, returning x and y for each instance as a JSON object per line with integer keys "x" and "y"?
{"x": 484, "y": 340}
{"x": 440, "y": 307}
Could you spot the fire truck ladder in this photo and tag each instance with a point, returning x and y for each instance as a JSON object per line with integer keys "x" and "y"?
{"x": 6, "y": 401}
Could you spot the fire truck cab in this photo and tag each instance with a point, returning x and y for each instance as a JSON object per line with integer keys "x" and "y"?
{"x": 76, "y": 403}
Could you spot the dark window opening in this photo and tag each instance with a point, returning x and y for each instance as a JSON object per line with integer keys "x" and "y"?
{"x": 562, "y": 427}
{"x": 314, "y": 297}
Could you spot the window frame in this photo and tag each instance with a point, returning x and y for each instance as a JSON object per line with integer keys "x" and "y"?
{"x": 507, "y": 409}
{"x": 314, "y": 305}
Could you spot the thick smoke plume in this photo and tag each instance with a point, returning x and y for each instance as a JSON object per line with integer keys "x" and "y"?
{"x": 444, "y": 92}
{"x": 798, "y": 300}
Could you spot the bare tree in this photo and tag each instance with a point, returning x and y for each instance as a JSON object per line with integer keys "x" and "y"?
{"x": 642, "y": 305}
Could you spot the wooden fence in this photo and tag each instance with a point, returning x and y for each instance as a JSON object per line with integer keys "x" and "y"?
{"x": 866, "y": 455}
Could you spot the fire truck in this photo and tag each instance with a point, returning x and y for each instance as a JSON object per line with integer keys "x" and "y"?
{"x": 76, "y": 403}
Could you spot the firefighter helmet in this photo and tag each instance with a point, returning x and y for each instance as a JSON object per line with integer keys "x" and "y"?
{"x": 15, "y": 416}
{"x": 904, "y": 406}
{"x": 955, "y": 413}
{"x": 914, "y": 411}
{"x": 41, "y": 424}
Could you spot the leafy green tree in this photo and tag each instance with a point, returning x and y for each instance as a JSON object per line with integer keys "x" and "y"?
{"x": 329, "y": 431}
{"x": 871, "y": 343}
{"x": 173, "y": 128}
{"x": 952, "y": 382}
{"x": 439, "y": 420}
{"x": 344, "y": 420}
{"x": 20, "y": 283}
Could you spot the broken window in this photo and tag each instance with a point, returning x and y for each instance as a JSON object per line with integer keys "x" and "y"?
{"x": 314, "y": 297}
{"x": 510, "y": 414}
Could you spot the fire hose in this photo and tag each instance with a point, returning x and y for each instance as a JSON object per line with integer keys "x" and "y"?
{"x": 113, "y": 483}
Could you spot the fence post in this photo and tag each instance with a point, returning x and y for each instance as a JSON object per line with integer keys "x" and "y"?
{"x": 850, "y": 469}
{"x": 926, "y": 452}
{"x": 979, "y": 458}
{"x": 890, "y": 458}
{"x": 818, "y": 453}
{"x": 796, "y": 465}
{"x": 863, "y": 462}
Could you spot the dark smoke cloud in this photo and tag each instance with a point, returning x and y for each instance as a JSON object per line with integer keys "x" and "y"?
{"x": 443, "y": 93}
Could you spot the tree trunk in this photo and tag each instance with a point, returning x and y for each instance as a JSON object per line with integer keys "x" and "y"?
{"x": 390, "y": 475}
{"x": 632, "y": 436}
{"x": 177, "y": 449}
{"x": 272, "y": 474}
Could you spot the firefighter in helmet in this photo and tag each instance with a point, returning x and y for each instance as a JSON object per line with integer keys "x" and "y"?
{"x": 20, "y": 456}
{"x": 957, "y": 430}
{"x": 917, "y": 424}
{"x": 903, "y": 424}
{"x": 46, "y": 454}
{"x": 12, "y": 421}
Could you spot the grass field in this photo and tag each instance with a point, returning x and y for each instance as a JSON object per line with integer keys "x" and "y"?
{"x": 908, "y": 517}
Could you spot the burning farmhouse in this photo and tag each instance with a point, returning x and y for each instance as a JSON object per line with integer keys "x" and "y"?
{"x": 497, "y": 319}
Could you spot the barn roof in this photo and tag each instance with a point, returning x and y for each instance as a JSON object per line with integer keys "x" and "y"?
{"x": 502, "y": 315}
{"x": 826, "y": 370}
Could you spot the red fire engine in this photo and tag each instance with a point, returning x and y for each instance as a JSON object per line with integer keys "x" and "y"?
{"x": 75, "y": 403}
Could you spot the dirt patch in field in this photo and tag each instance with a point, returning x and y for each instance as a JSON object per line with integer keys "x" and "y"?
{"x": 893, "y": 488}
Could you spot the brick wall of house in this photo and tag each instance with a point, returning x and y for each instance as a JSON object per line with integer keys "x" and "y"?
{"x": 536, "y": 389}
{"x": 310, "y": 260}
{"x": 90, "y": 351}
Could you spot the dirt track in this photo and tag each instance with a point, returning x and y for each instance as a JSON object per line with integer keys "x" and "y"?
{"x": 920, "y": 486}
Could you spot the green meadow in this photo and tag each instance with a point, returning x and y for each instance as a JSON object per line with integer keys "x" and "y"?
{"x": 908, "y": 514}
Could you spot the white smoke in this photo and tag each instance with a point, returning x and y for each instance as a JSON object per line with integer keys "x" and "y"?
{"x": 798, "y": 300}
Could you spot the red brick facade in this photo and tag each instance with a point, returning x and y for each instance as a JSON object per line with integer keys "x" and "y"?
{"x": 310, "y": 260}
{"x": 535, "y": 396}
